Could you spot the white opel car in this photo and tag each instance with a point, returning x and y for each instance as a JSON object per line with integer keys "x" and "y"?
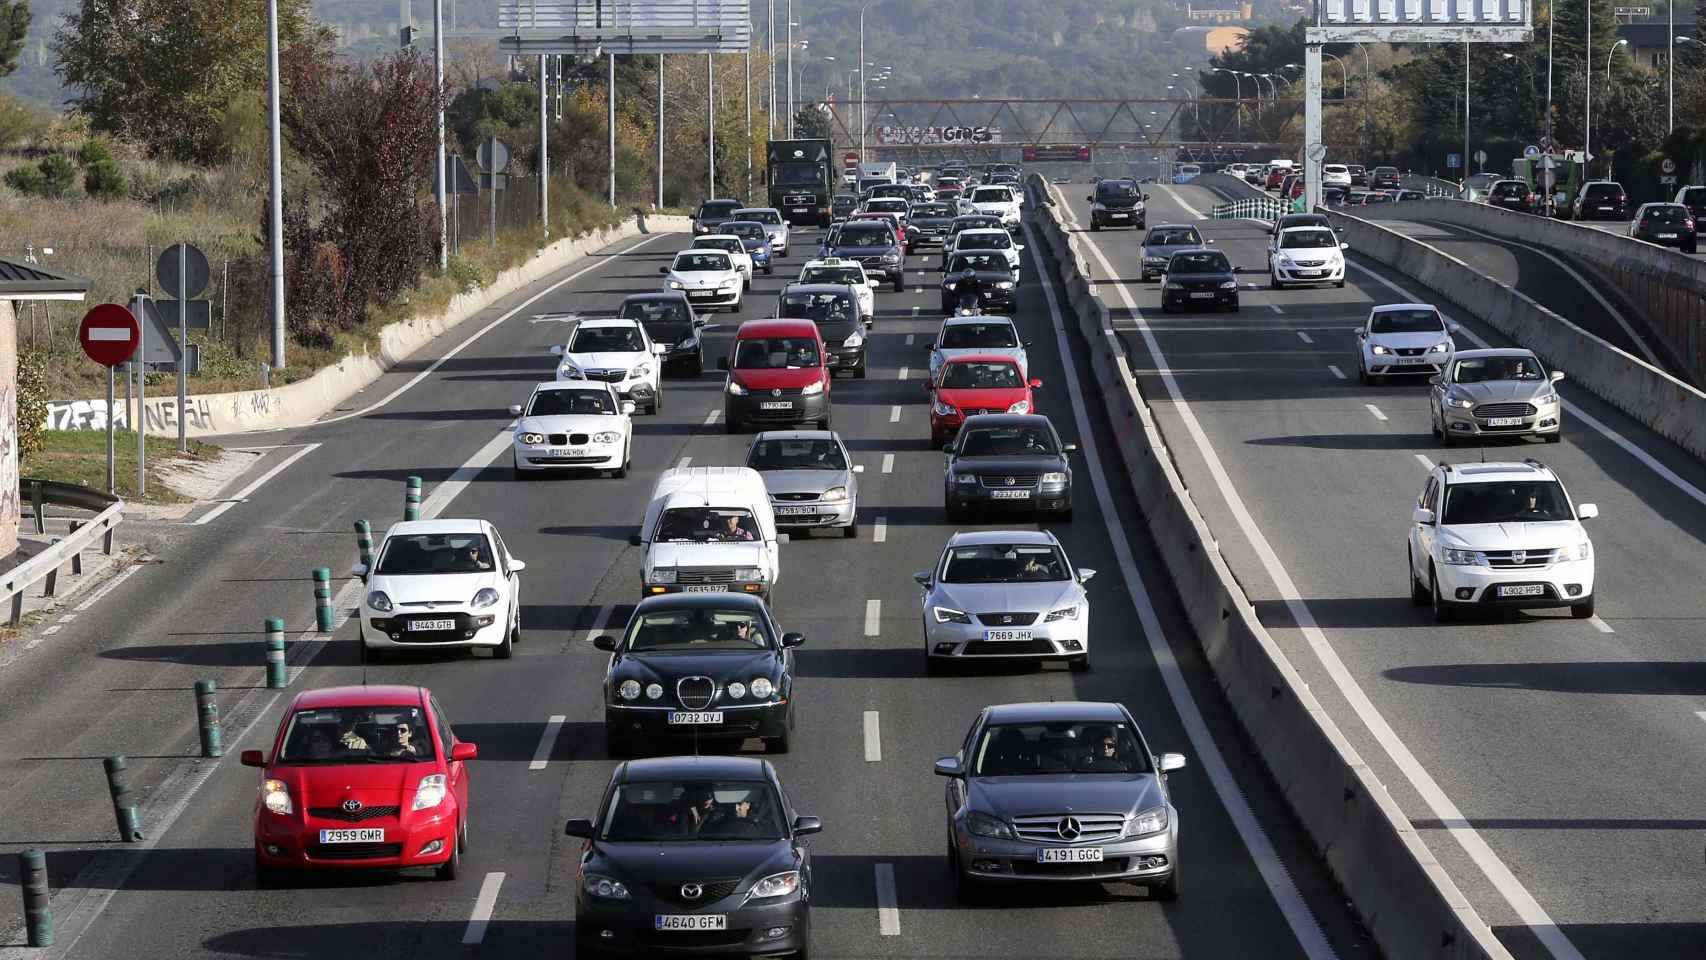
{"x": 733, "y": 246}
{"x": 1488, "y": 535}
{"x": 1306, "y": 255}
{"x": 618, "y": 352}
{"x": 439, "y": 584}
{"x": 710, "y": 278}
{"x": 1403, "y": 338}
{"x": 572, "y": 425}
{"x": 997, "y": 200}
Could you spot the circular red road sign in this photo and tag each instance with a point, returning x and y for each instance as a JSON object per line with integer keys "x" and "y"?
{"x": 849, "y": 158}
{"x": 109, "y": 334}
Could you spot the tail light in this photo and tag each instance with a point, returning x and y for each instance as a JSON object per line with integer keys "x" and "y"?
{"x": 1688, "y": 224}
{"x": 1622, "y": 199}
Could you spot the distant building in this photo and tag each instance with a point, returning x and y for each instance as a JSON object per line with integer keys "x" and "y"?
{"x": 1238, "y": 12}
{"x": 1649, "y": 43}
{"x": 1211, "y": 41}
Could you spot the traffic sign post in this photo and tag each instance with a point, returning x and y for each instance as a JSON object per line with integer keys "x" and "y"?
{"x": 1453, "y": 160}
{"x": 494, "y": 159}
{"x": 182, "y": 271}
{"x": 138, "y": 304}
{"x": 1481, "y": 160}
{"x": 109, "y": 335}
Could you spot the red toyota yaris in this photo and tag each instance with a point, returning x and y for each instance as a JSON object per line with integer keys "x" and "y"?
{"x": 362, "y": 778}
{"x": 974, "y": 384}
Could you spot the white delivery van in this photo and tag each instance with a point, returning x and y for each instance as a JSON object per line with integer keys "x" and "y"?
{"x": 709, "y": 530}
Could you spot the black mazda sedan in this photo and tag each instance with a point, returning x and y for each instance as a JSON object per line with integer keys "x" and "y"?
{"x": 694, "y": 856}
{"x": 1198, "y": 279}
{"x": 698, "y": 667}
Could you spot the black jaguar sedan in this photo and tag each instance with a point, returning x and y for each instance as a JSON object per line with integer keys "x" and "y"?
{"x": 699, "y": 667}
{"x": 692, "y": 856}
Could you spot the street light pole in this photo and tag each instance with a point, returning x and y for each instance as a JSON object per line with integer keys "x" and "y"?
{"x": 1345, "y": 78}
{"x": 275, "y": 207}
{"x": 770, "y": 38}
{"x": 790, "y": 14}
{"x": 1466, "y": 110}
{"x": 1238, "y": 92}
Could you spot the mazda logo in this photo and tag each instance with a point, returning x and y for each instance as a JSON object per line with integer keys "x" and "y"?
{"x": 1069, "y": 829}
{"x": 775, "y": 391}
{"x": 352, "y": 806}
{"x": 692, "y": 891}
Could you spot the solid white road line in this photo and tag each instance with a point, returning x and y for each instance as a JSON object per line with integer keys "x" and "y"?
{"x": 888, "y": 463}
{"x": 258, "y": 482}
{"x": 1306, "y": 338}
{"x": 873, "y": 617}
{"x": 464, "y": 475}
{"x": 1527, "y": 909}
{"x": 547, "y": 742}
{"x": 685, "y": 463}
{"x": 1272, "y": 306}
{"x": 1376, "y": 411}
{"x": 1425, "y": 462}
{"x": 894, "y": 413}
{"x": 1601, "y": 625}
{"x": 880, "y": 530}
{"x": 711, "y": 417}
{"x": 1336, "y": 371}
{"x": 888, "y": 913}
{"x": 873, "y": 738}
{"x": 1278, "y": 880}
{"x": 903, "y": 373}
{"x": 484, "y": 904}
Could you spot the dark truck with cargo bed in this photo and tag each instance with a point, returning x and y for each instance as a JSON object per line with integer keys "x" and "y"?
{"x": 800, "y": 178}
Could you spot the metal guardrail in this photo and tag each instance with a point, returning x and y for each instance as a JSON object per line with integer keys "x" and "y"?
{"x": 109, "y": 511}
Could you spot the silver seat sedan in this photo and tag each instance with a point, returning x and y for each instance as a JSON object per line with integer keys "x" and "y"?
{"x": 1060, "y": 792}
{"x": 1499, "y": 392}
{"x": 810, "y": 478}
{"x": 1005, "y": 594}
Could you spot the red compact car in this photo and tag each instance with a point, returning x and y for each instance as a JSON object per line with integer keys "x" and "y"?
{"x": 778, "y": 374}
{"x": 974, "y": 384}
{"x": 1277, "y": 176}
{"x": 362, "y": 778}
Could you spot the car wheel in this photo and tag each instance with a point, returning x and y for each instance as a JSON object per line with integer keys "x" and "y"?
{"x": 1274, "y": 281}
{"x": 1168, "y": 890}
{"x": 503, "y": 650}
{"x": 1418, "y": 593}
{"x": 768, "y": 270}
{"x": 697, "y": 365}
{"x": 967, "y": 890}
{"x": 730, "y": 424}
{"x": 851, "y": 531}
{"x": 452, "y": 868}
{"x": 627, "y": 458}
{"x": 1233, "y": 307}
{"x": 823, "y": 422}
{"x": 515, "y": 626}
{"x": 1340, "y": 284}
{"x": 657, "y": 402}
{"x": 1583, "y": 610}
{"x": 1094, "y": 226}
{"x": 1443, "y": 612}
{"x": 952, "y": 511}
{"x": 586, "y": 945}
{"x": 900, "y": 282}
{"x": 1555, "y": 437}
{"x": 1079, "y": 664}
{"x": 782, "y": 743}
{"x": 266, "y": 876}
{"x": 859, "y": 371}
{"x": 1147, "y": 276}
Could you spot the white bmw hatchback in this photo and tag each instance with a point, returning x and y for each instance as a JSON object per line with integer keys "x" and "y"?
{"x": 573, "y": 425}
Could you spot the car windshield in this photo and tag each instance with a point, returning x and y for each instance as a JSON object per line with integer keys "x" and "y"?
{"x": 424, "y": 554}
{"x": 1406, "y": 321}
{"x": 1004, "y": 563}
{"x": 664, "y": 322}
{"x": 769, "y": 217}
{"x": 977, "y": 261}
{"x": 1116, "y": 190}
{"x": 746, "y": 229}
{"x": 923, "y": 210}
{"x": 1033, "y": 749}
{"x": 852, "y": 275}
{"x": 718, "y": 209}
{"x": 693, "y": 812}
{"x": 822, "y": 307}
{"x": 970, "y": 336}
{"x": 1665, "y": 214}
{"x": 729, "y": 243}
{"x": 566, "y": 403}
{"x": 694, "y": 631}
{"x": 845, "y": 202}
{"x": 967, "y": 375}
{"x": 344, "y": 735}
{"x": 706, "y": 525}
{"x": 857, "y": 234}
{"x": 1304, "y": 239}
{"x": 796, "y": 175}
{"x": 689, "y": 262}
{"x": 601, "y": 339}
{"x": 992, "y": 195}
{"x": 1173, "y": 237}
{"x": 776, "y": 353}
{"x": 1511, "y": 501}
{"x": 1208, "y": 261}
{"x": 1484, "y": 369}
{"x": 1018, "y": 441}
{"x": 985, "y": 240}
{"x": 887, "y": 205}
{"x": 813, "y": 453}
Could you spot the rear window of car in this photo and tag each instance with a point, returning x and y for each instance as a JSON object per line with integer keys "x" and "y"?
{"x": 862, "y": 235}
{"x": 1510, "y": 188}
{"x": 1669, "y": 213}
{"x": 1383, "y": 171}
{"x": 1604, "y": 189}
{"x": 1694, "y": 196}
{"x": 992, "y": 195}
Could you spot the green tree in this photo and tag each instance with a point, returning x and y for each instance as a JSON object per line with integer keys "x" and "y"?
{"x": 103, "y": 180}
{"x": 14, "y": 26}
{"x": 811, "y": 122}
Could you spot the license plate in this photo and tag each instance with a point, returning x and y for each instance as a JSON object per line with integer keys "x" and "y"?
{"x": 1504, "y": 421}
{"x": 690, "y": 921}
{"x": 1119, "y": 216}
{"x": 695, "y": 716}
{"x": 1309, "y": 273}
{"x": 1523, "y": 590}
{"x": 364, "y": 835}
{"x": 1667, "y": 236}
{"x": 432, "y": 625}
{"x": 1409, "y": 361}
{"x": 1202, "y": 296}
{"x": 705, "y": 588}
{"x": 1006, "y": 635}
{"x": 795, "y": 511}
{"x": 799, "y": 210}
{"x": 1607, "y": 209}
{"x": 1009, "y": 494}
{"x": 776, "y": 405}
{"x": 1069, "y": 855}
{"x": 703, "y": 294}
{"x": 565, "y": 452}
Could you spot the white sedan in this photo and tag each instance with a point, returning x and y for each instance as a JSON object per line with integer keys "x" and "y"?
{"x": 618, "y": 352}
{"x": 730, "y": 244}
{"x": 572, "y": 425}
{"x": 850, "y": 272}
{"x": 439, "y": 584}
{"x": 710, "y": 279}
{"x": 1306, "y": 254}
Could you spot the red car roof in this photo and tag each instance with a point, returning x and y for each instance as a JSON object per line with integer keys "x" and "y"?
{"x": 372, "y": 695}
{"x": 776, "y": 328}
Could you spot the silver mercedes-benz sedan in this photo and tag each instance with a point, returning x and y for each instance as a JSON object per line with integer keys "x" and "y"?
{"x": 1005, "y": 594}
{"x": 811, "y": 480}
{"x": 1060, "y": 792}
{"x": 1500, "y": 392}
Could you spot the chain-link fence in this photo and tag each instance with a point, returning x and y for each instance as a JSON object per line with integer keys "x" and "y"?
{"x": 470, "y": 217}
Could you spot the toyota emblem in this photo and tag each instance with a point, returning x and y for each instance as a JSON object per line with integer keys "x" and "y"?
{"x": 1069, "y": 829}
{"x": 775, "y": 391}
{"x": 1519, "y": 556}
{"x": 692, "y": 891}
{"x": 1011, "y": 481}
{"x": 352, "y": 806}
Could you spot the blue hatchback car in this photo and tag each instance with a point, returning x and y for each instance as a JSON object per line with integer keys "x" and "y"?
{"x": 757, "y": 243}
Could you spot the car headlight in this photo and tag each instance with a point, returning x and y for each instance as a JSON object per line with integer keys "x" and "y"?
{"x": 1583, "y": 551}
{"x": 1175, "y": 285}
{"x": 275, "y": 796}
{"x": 661, "y": 576}
{"x": 628, "y": 690}
{"x": 1550, "y": 398}
{"x": 1462, "y": 403}
{"x": 531, "y": 439}
{"x": 1064, "y": 613}
{"x": 641, "y": 371}
{"x": 485, "y": 597}
{"x": 1440, "y": 347}
{"x": 607, "y": 436}
{"x": 1004, "y": 285}
{"x": 750, "y": 573}
{"x": 1284, "y": 261}
{"x": 891, "y": 258}
{"x": 950, "y": 615}
{"x": 1153, "y": 820}
{"x": 775, "y": 885}
{"x": 726, "y": 289}
{"x": 1460, "y": 558}
{"x": 1054, "y": 476}
{"x": 812, "y": 389}
{"x": 834, "y": 494}
{"x": 965, "y": 479}
{"x": 941, "y": 409}
{"x": 1379, "y": 350}
{"x": 736, "y": 690}
{"x": 1022, "y": 406}
{"x": 1228, "y": 284}
{"x": 984, "y": 825}
{"x": 762, "y": 688}
{"x": 856, "y": 340}
{"x": 430, "y": 793}
{"x": 604, "y": 888}
{"x": 675, "y": 285}
{"x": 654, "y": 691}
{"x": 569, "y": 371}
{"x": 736, "y": 390}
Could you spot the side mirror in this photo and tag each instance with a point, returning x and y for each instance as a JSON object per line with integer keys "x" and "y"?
{"x": 787, "y": 224}
{"x": 1436, "y": 381}
{"x": 806, "y": 826}
{"x": 873, "y": 282}
{"x": 604, "y": 642}
{"x": 1557, "y": 375}
{"x": 578, "y": 827}
{"x": 517, "y": 565}
{"x": 1144, "y": 197}
{"x": 929, "y": 386}
{"x": 793, "y": 639}
{"x": 556, "y": 349}
{"x": 1587, "y": 511}
{"x": 358, "y": 570}
{"x": 722, "y": 363}
{"x": 1019, "y": 247}
{"x": 1172, "y": 761}
{"x": 699, "y": 323}
{"x": 1452, "y": 328}
{"x": 252, "y": 758}
{"x": 1343, "y": 245}
{"x": 635, "y": 540}
{"x": 1090, "y": 199}
{"x": 1084, "y": 574}
{"x": 659, "y": 350}
{"x": 1423, "y": 516}
{"x": 628, "y": 407}
{"x": 949, "y": 767}
{"x": 948, "y": 449}
{"x": 922, "y": 578}
{"x": 1035, "y": 383}
{"x": 1025, "y": 343}
{"x": 464, "y": 751}
{"x": 1208, "y": 241}
{"x": 515, "y": 409}
{"x": 663, "y": 269}
{"x": 782, "y": 538}
{"x": 870, "y": 322}
{"x": 859, "y": 468}
{"x": 1069, "y": 447}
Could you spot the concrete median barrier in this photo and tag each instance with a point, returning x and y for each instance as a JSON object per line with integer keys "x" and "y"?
{"x": 1411, "y": 907}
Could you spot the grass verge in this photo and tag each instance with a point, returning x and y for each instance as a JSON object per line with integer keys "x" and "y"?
{"x": 80, "y": 457}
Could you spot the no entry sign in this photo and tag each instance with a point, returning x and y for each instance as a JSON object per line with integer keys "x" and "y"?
{"x": 109, "y": 334}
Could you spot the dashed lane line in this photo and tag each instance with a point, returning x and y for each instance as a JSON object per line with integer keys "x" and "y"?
{"x": 711, "y": 417}
{"x": 1376, "y": 411}
{"x": 484, "y": 904}
{"x": 1336, "y": 371}
{"x": 547, "y": 742}
{"x": 1424, "y": 461}
{"x": 873, "y": 617}
{"x": 888, "y": 910}
{"x": 684, "y": 463}
{"x": 1306, "y": 338}
{"x": 894, "y": 413}
{"x": 880, "y": 530}
{"x": 1600, "y": 625}
{"x": 888, "y": 463}
{"x": 904, "y": 371}
{"x": 873, "y": 738}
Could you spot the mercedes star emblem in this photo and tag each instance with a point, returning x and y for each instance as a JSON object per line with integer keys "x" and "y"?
{"x": 1069, "y": 829}
{"x": 352, "y": 806}
{"x": 692, "y": 891}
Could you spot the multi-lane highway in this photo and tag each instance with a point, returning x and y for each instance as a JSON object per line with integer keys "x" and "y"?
{"x": 1551, "y": 763}
{"x": 116, "y": 677}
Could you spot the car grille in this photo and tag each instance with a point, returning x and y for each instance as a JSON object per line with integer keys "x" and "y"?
{"x": 1507, "y": 559}
{"x": 558, "y": 439}
{"x": 876, "y": 261}
{"x": 1107, "y": 868}
{"x": 1008, "y": 648}
{"x": 1505, "y": 410}
{"x": 1007, "y": 619}
{"x": 1092, "y": 828}
{"x": 704, "y": 576}
{"x": 1309, "y": 263}
{"x": 695, "y": 693}
{"x": 714, "y": 890}
{"x": 353, "y": 851}
{"x": 567, "y": 461}
{"x": 608, "y": 376}
{"x": 793, "y": 497}
{"x": 1009, "y": 480}
{"x": 694, "y": 939}
{"x": 1409, "y": 351}
{"x": 359, "y": 816}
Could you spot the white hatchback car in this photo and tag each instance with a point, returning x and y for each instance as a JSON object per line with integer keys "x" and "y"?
{"x": 572, "y": 425}
{"x": 1403, "y": 338}
{"x": 850, "y": 272}
{"x": 1336, "y": 175}
{"x": 985, "y": 238}
{"x": 1306, "y": 254}
{"x": 980, "y": 335}
{"x": 439, "y": 584}
{"x": 1487, "y": 535}
{"x": 618, "y": 352}
{"x": 710, "y": 278}
{"x": 733, "y": 246}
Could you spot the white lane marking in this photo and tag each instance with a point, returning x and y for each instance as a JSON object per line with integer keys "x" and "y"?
{"x": 1527, "y": 909}
{"x": 894, "y": 413}
{"x": 873, "y": 617}
{"x": 880, "y": 530}
{"x": 1648, "y": 460}
{"x": 1280, "y": 885}
{"x": 903, "y": 373}
{"x": 68, "y": 618}
{"x": 484, "y": 904}
{"x": 1193, "y": 211}
{"x": 1601, "y": 625}
{"x": 909, "y": 339}
{"x": 888, "y": 913}
{"x": 915, "y": 309}
{"x": 1336, "y": 371}
{"x": 1376, "y": 411}
{"x": 259, "y": 481}
{"x": 873, "y": 738}
{"x": 547, "y": 742}
{"x": 50, "y": 631}
{"x": 1424, "y": 461}
{"x": 1272, "y": 306}
{"x": 464, "y": 475}
{"x": 685, "y": 463}
{"x": 1306, "y": 338}
{"x": 433, "y": 367}
{"x": 1701, "y": 714}
{"x": 600, "y": 623}
{"x": 110, "y": 586}
{"x": 711, "y": 417}
{"x": 888, "y": 463}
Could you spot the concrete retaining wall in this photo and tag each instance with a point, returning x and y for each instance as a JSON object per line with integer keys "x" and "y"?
{"x": 1411, "y": 907}
{"x": 303, "y": 402}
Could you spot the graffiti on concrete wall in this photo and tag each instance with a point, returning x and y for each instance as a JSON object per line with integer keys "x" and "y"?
{"x": 9, "y": 502}
{"x": 220, "y": 412}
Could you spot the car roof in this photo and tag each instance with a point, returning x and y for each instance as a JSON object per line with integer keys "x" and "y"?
{"x": 604, "y": 322}
{"x": 833, "y": 262}
{"x": 1494, "y": 352}
{"x": 796, "y": 435}
{"x": 777, "y": 327}
{"x": 699, "y": 601}
{"x": 413, "y": 527}
{"x": 653, "y": 295}
{"x": 558, "y": 386}
{"x": 1002, "y": 536}
{"x": 1173, "y": 226}
{"x": 1090, "y": 710}
{"x": 715, "y": 236}
{"x": 991, "y": 231}
{"x": 693, "y": 768}
{"x": 759, "y": 210}
{"x": 1392, "y": 307}
{"x": 815, "y": 287}
{"x": 1497, "y": 471}
{"x": 363, "y": 695}
{"x": 978, "y": 318}
{"x": 1294, "y": 227}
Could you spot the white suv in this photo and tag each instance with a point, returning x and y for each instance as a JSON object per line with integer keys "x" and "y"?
{"x": 1487, "y": 535}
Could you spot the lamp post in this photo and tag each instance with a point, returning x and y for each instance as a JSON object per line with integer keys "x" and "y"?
{"x": 789, "y": 16}
{"x": 1345, "y": 78}
{"x": 863, "y": 66}
{"x": 1237, "y": 91}
{"x": 1508, "y": 57}
{"x": 1587, "y": 117}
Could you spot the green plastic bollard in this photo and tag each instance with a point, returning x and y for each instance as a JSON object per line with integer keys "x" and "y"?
{"x": 412, "y": 499}
{"x": 276, "y": 674}
{"x": 38, "y": 919}
{"x": 207, "y": 719}
{"x": 364, "y": 544}
{"x": 124, "y": 808}
{"x": 323, "y": 599}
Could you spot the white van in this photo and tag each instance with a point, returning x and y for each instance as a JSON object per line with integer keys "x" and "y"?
{"x": 709, "y": 530}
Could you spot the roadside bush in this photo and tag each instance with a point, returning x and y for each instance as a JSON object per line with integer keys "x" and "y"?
{"x": 103, "y": 180}
{"x": 32, "y": 403}
{"x": 25, "y": 180}
{"x": 93, "y": 152}
{"x": 58, "y": 175}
